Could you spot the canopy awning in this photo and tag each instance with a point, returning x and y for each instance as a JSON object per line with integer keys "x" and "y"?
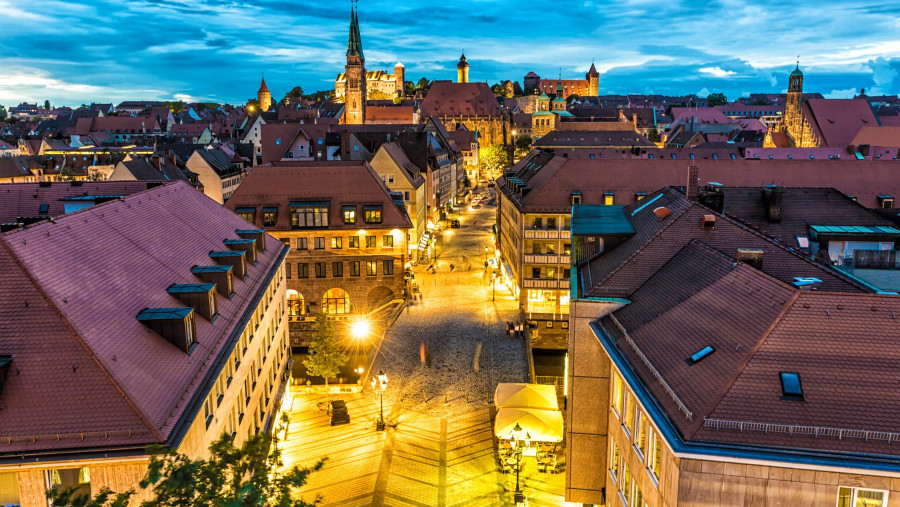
{"x": 526, "y": 396}
{"x": 540, "y": 425}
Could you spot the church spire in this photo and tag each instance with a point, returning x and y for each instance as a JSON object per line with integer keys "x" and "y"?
{"x": 354, "y": 42}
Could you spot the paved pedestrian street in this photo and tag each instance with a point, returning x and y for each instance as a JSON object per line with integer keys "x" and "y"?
{"x": 438, "y": 449}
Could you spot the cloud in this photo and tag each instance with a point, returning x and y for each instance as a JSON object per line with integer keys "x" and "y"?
{"x": 842, "y": 94}
{"x": 717, "y": 72}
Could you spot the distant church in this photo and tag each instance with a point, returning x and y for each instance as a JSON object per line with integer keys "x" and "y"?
{"x": 355, "y": 85}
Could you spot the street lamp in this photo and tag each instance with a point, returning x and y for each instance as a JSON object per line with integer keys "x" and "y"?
{"x": 517, "y": 449}
{"x": 493, "y": 286}
{"x": 379, "y": 384}
{"x": 360, "y": 329}
{"x": 485, "y": 257}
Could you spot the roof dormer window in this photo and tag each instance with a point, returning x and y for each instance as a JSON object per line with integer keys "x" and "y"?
{"x": 174, "y": 324}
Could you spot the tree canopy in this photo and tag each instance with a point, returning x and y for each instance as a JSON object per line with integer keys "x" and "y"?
{"x": 716, "y": 99}
{"x": 292, "y": 96}
{"x": 493, "y": 158}
{"x": 325, "y": 357}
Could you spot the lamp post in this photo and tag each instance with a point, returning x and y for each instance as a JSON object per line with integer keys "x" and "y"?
{"x": 485, "y": 257}
{"x": 379, "y": 384}
{"x": 519, "y": 498}
{"x": 493, "y": 286}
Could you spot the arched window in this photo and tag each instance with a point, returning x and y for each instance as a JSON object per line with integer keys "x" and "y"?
{"x": 336, "y": 302}
{"x": 296, "y": 307}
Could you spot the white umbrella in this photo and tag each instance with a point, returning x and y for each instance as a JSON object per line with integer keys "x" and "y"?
{"x": 542, "y": 425}
{"x": 540, "y": 396}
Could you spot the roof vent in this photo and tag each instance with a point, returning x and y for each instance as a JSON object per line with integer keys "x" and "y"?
{"x": 174, "y": 324}
{"x": 222, "y": 276}
{"x": 4, "y": 369}
{"x": 201, "y": 296}
{"x": 247, "y": 245}
{"x": 771, "y": 197}
{"x": 662, "y": 212}
{"x": 752, "y": 257}
{"x": 708, "y": 222}
{"x": 233, "y": 258}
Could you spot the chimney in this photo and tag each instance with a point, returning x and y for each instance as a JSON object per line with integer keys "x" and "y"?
{"x": 752, "y": 257}
{"x": 692, "y": 182}
{"x": 771, "y": 197}
{"x": 708, "y": 222}
{"x": 712, "y": 196}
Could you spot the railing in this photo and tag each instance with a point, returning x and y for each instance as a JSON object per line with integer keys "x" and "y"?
{"x": 546, "y": 259}
{"x": 541, "y": 234}
{"x": 559, "y": 382}
{"x": 649, "y": 365}
{"x": 791, "y": 429}
{"x": 874, "y": 259}
{"x": 540, "y": 283}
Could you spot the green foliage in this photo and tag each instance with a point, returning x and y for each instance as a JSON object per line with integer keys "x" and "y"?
{"x": 523, "y": 143}
{"x": 398, "y": 101}
{"x": 46, "y": 104}
{"x": 517, "y": 89}
{"x": 292, "y": 97}
{"x": 378, "y": 95}
{"x": 572, "y": 97}
{"x": 409, "y": 88}
{"x": 325, "y": 357}
{"x": 422, "y": 84}
{"x": 465, "y": 181}
{"x": 2, "y": 113}
{"x": 716, "y": 99}
{"x": 105, "y": 498}
{"x": 254, "y": 103}
{"x": 654, "y": 136}
{"x": 493, "y": 158}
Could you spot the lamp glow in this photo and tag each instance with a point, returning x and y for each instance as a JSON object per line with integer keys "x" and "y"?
{"x": 360, "y": 329}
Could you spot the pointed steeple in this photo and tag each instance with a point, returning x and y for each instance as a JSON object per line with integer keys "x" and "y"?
{"x": 593, "y": 71}
{"x": 263, "y": 87}
{"x": 354, "y": 42}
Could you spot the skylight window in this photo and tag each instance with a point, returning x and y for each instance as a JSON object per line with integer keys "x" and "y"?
{"x": 790, "y": 386}
{"x": 701, "y": 355}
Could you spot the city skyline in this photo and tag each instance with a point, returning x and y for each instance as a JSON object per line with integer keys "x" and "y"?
{"x": 74, "y": 52}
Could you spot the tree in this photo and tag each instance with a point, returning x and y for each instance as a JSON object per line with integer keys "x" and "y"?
{"x": 422, "y": 84}
{"x": 175, "y": 107}
{"x": 517, "y": 89}
{"x": 292, "y": 97}
{"x": 523, "y": 143}
{"x": 325, "y": 355}
{"x": 493, "y": 158}
{"x": 654, "y": 136}
{"x": 572, "y": 97}
{"x": 253, "y": 104}
{"x": 46, "y": 104}
{"x": 2, "y": 113}
{"x": 409, "y": 88}
{"x": 378, "y": 95}
{"x": 716, "y": 99}
{"x": 466, "y": 182}
{"x": 249, "y": 476}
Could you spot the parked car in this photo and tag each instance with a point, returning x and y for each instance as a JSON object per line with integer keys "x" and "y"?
{"x": 337, "y": 412}
{"x": 454, "y": 224}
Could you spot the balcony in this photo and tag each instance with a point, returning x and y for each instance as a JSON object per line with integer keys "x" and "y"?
{"x": 539, "y": 283}
{"x": 547, "y": 259}
{"x": 547, "y": 234}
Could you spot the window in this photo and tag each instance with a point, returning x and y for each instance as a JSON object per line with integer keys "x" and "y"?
{"x": 640, "y": 431}
{"x": 608, "y": 198}
{"x": 337, "y": 269}
{"x": 370, "y": 242}
{"x": 371, "y": 266}
{"x": 270, "y": 216}
{"x": 77, "y": 478}
{"x": 655, "y": 463}
{"x": 320, "y": 243}
{"x": 349, "y": 214}
{"x": 802, "y": 241}
{"x": 626, "y": 483}
{"x": 302, "y": 270}
{"x": 406, "y": 196}
{"x": 287, "y": 271}
{"x": 387, "y": 241}
{"x": 858, "y": 497}
{"x": 639, "y": 195}
{"x": 248, "y": 214}
{"x": 535, "y": 272}
{"x": 700, "y": 355}
{"x": 208, "y": 411}
{"x": 551, "y": 248}
{"x": 354, "y": 268}
{"x": 302, "y": 244}
{"x": 538, "y": 223}
{"x": 372, "y": 214}
{"x": 536, "y": 248}
{"x": 614, "y": 460}
{"x": 885, "y": 201}
{"x": 337, "y": 243}
{"x": 278, "y": 141}
{"x": 309, "y": 216}
{"x": 390, "y": 179}
{"x": 617, "y": 394}
{"x": 354, "y": 242}
{"x": 551, "y": 223}
{"x": 628, "y": 406}
{"x": 790, "y": 386}
{"x": 637, "y": 499}
{"x": 320, "y": 270}
{"x": 388, "y": 267}
{"x": 9, "y": 490}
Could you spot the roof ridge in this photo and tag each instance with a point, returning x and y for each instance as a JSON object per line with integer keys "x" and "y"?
{"x": 80, "y": 339}
{"x": 749, "y": 357}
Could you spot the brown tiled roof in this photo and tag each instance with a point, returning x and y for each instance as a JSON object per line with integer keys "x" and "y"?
{"x": 589, "y": 139}
{"x": 759, "y": 327}
{"x": 108, "y": 371}
{"x": 339, "y": 183}
{"x": 553, "y": 183}
{"x": 398, "y": 155}
{"x": 270, "y": 133}
{"x": 837, "y": 121}
{"x": 887, "y": 137}
{"x": 25, "y": 199}
{"x": 639, "y": 257}
{"x": 389, "y": 114}
{"x": 460, "y": 99}
{"x": 800, "y": 208}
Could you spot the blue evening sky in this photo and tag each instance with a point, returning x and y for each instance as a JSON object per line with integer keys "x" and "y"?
{"x": 106, "y": 51}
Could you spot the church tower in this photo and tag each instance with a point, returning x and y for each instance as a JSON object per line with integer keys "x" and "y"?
{"x": 264, "y": 97}
{"x": 593, "y": 79}
{"x": 462, "y": 70}
{"x": 355, "y": 70}
{"x": 792, "y": 117}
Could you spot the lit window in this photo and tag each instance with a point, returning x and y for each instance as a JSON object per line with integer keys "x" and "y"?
{"x": 372, "y": 214}
{"x": 614, "y": 461}
{"x": 617, "y": 394}
{"x": 349, "y": 214}
{"x": 858, "y": 497}
{"x": 608, "y": 198}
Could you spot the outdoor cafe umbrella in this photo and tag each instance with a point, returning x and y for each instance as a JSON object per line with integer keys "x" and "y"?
{"x": 539, "y": 396}
{"x": 542, "y": 425}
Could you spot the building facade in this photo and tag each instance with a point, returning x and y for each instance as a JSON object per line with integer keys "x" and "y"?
{"x": 587, "y": 87}
{"x": 462, "y": 70}
{"x": 348, "y": 236}
{"x": 379, "y": 84}
{"x": 264, "y": 96}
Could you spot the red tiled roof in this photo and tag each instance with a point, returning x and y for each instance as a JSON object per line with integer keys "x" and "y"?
{"x": 25, "y": 199}
{"x": 100, "y": 267}
{"x": 389, "y": 114}
{"x": 886, "y": 137}
{"x": 276, "y": 138}
{"x": 460, "y": 99}
{"x": 340, "y": 183}
{"x": 837, "y": 121}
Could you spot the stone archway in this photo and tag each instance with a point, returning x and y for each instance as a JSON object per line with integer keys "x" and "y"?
{"x": 296, "y": 306}
{"x": 336, "y": 302}
{"x": 378, "y": 297}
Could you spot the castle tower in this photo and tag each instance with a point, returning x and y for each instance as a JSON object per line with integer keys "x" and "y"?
{"x": 462, "y": 70}
{"x": 400, "y": 76}
{"x": 355, "y": 70}
{"x": 264, "y": 97}
{"x": 593, "y": 79}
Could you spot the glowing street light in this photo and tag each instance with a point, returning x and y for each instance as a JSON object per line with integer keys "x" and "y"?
{"x": 360, "y": 329}
{"x": 516, "y": 440}
{"x": 379, "y": 384}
